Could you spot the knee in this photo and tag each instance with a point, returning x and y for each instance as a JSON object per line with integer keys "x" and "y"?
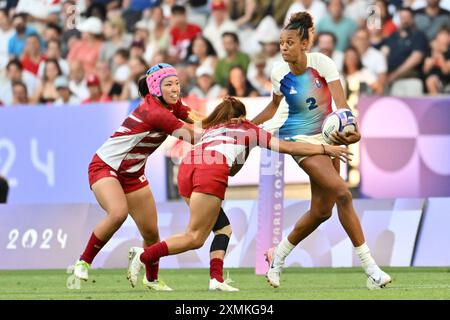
{"x": 225, "y": 231}
{"x": 118, "y": 216}
{"x": 322, "y": 214}
{"x": 343, "y": 195}
{"x": 196, "y": 241}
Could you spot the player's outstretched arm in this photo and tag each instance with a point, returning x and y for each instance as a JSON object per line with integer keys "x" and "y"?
{"x": 269, "y": 111}
{"x": 194, "y": 116}
{"x": 308, "y": 149}
{"x": 188, "y": 133}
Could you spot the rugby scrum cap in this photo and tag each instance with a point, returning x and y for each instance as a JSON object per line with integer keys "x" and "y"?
{"x": 156, "y": 74}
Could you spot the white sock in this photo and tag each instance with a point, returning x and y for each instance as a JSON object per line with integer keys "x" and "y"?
{"x": 283, "y": 249}
{"x": 364, "y": 255}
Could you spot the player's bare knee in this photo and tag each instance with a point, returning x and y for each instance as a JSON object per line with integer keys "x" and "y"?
{"x": 195, "y": 241}
{"x": 343, "y": 195}
{"x": 225, "y": 231}
{"x": 322, "y": 214}
{"x": 118, "y": 216}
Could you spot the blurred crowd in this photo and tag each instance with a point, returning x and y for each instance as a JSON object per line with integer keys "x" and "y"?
{"x": 70, "y": 52}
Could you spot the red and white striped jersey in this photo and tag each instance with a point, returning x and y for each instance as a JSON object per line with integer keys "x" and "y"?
{"x": 233, "y": 141}
{"x": 141, "y": 133}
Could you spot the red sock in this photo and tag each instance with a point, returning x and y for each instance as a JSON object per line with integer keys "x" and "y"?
{"x": 216, "y": 269}
{"x": 151, "y": 255}
{"x": 153, "y": 271}
{"x": 93, "y": 247}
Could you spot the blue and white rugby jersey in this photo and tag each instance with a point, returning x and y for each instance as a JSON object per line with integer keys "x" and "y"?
{"x": 306, "y": 97}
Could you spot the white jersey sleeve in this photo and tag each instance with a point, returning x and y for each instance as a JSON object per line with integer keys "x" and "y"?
{"x": 324, "y": 65}
{"x": 279, "y": 70}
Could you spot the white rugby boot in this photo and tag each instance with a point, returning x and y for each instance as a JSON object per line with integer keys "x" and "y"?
{"x": 214, "y": 284}
{"x": 157, "y": 285}
{"x": 377, "y": 278}
{"x": 81, "y": 270}
{"x": 134, "y": 264}
{"x": 273, "y": 275}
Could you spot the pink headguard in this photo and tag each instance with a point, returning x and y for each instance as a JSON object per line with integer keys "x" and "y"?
{"x": 156, "y": 74}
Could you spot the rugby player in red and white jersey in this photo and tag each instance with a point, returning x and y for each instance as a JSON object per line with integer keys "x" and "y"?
{"x": 203, "y": 174}
{"x": 117, "y": 178}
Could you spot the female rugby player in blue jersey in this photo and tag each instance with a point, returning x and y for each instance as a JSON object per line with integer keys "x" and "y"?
{"x": 303, "y": 88}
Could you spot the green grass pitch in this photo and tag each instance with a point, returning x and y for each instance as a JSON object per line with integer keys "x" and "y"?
{"x": 191, "y": 284}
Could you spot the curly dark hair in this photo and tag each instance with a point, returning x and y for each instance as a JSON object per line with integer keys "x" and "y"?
{"x": 300, "y": 21}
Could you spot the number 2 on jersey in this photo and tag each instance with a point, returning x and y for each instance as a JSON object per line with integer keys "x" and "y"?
{"x": 312, "y": 103}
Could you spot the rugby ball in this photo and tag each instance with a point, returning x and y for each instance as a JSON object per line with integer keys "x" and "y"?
{"x": 341, "y": 120}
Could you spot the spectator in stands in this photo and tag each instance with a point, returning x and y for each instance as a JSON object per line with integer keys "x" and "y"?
{"x": 54, "y": 52}
{"x": 97, "y": 10}
{"x": 20, "y": 94}
{"x": 357, "y": 78}
{"x": 371, "y": 58}
{"x": 243, "y": 12}
{"x": 181, "y": 34}
{"x": 137, "y": 66}
{"x": 137, "y": 49}
{"x": 32, "y": 54}
{"x": 8, "y": 4}
{"x": 205, "y": 87}
{"x": 326, "y": 44}
{"x": 234, "y": 57}
{"x": 257, "y": 75}
{"x": 238, "y": 85}
{"x": 431, "y": 18}
{"x": 116, "y": 38}
{"x": 17, "y": 42}
{"x": 46, "y": 92}
{"x": 6, "y": 33}
{"x": 279, "y": 10}
{"x": 133, "y": 9}
{"x": 263, "y": 9}
{"x": 316, "y": 8}
{"x": 87, "y": 49}
{"x": 357, "y": 11}
{"x": 39, "y": 11}
{"x": 376, "y": 38}
{"x": 141, "y": 32}
{"x": 203, "y": 52}
{"x": 159, "y": 35}
{"x": 52, "y": 32}
{"x": 335, "y": 22}
{"x": 4, "y": 188}
{"x": 436, "y": 67}
{"x": 218, "y": 23}
{"x": 15, "y": 73}
{"x": 77, "y": 82}
{"x": 159, "y": 57}
{"x": 121, "y": 71}
{"x": 65, "y": 96}
{"x": 405, "y": 49}
{"x": 388, "y": 26}
{"x": 199, "y": 8}
{"x": 112, "y": 88}
{"x": 270, "y": 42}
{"x": 95, "y": 91}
